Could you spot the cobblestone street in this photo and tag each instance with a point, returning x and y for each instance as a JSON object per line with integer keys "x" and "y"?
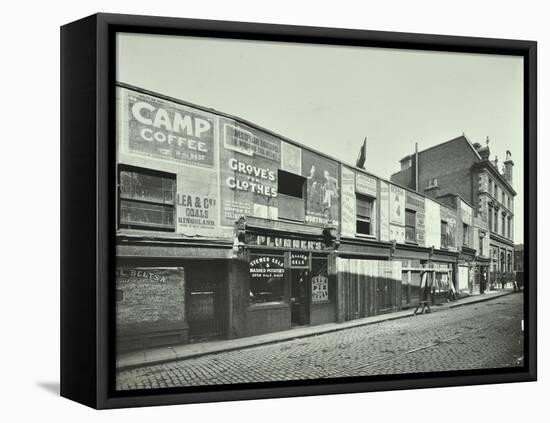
{"x": 482, "y": 335}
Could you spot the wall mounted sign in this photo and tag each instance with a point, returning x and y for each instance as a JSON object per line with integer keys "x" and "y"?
{"x": 319, "y": 288}
{"x": 299, "y": 260}
{"x": 167, "y": 130}
{"x": 278, "y": 241}
{"x": 267, "y": 267}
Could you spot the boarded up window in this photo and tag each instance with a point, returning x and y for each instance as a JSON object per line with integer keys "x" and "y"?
{"x": 147, "y": 200}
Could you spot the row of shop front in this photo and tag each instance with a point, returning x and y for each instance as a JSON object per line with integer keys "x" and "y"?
{"x": 273, "y": 277}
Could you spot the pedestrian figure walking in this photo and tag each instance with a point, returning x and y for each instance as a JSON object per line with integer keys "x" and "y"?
{"x": 424, "y": 301}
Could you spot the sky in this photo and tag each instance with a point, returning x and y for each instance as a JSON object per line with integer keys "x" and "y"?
{"x": 331, "y": 97}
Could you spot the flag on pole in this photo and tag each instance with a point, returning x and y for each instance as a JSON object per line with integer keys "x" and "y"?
{"x": 362, "y": 155}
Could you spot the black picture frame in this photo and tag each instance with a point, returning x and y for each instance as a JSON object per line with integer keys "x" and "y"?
{"x": 88, "y": 206}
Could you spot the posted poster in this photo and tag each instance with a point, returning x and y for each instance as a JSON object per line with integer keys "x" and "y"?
{"x": 323, "y": 190}
{"x": 291, "y": 158}
{"x": 397, "y": 233}
{"x": 249, "y": 160}
{"x": 384, "y": 211}
{"x": 348, "y": 202}
{"x": 365, "y": 184}
{"x": 433, "y": 224}
{"x": 197, "y": 204}
{"x": 416, "y": 202}
{"x": 397, "y": 205}
{"x": 167, "y": 130}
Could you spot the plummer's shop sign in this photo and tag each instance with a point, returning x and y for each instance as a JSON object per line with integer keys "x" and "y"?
{"x": 278, "y": 241}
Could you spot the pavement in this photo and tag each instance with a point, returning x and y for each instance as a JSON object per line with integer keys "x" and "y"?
{"x": 154, "y": 356}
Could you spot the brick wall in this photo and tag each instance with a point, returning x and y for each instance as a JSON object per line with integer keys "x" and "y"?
{"x": 149, "y": 297}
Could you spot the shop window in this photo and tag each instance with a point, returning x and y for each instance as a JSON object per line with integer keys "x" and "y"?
{"x": 291, "y": 194}
{"x": 146, "y": 199}
{"x": 465, "y": 234}
{"x": 410, "y": 225}
{"x": 444, "y": 235}
{"x": 364, "y": 218}
{"x": 267, "y": 279}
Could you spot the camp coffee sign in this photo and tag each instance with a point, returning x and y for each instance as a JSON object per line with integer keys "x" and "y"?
{"x": 167, "y": 130}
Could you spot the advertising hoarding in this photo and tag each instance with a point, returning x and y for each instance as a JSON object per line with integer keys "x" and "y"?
{"x": 322, "y": 191}
{"x": 159, "y": 128}
{"x": 348, "y": 202}
{"x": 249, "y": 160}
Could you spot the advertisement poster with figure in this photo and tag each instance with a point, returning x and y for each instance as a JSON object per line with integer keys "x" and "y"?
{"x": 384, "y": 211}
{"x": 249, "y": 160}
{"x": 163, "y": 129}
{"x": 397, "y": 205}
{"x": 322, "y": 191}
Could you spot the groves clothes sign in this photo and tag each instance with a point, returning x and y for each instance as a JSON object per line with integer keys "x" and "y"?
{"x": 149, "y": 297}
{"x": 163, "y": 129}
{"x": 249, "y": 160}
{"x": 322, "y": 191}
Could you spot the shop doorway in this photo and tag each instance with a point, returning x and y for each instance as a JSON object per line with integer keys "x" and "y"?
{"x": 206, "y": 304}
{"x": 299, "y": 296}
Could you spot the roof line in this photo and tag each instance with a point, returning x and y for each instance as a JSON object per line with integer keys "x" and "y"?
{"x": 274, "y": 134}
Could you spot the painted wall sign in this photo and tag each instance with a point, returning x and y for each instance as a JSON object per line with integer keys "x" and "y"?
{"x": 384, "y": 211}
{"x": 267, "y": 267}
{"x": 246, "y": 141}
{"x": 365, "y": 184}
{"x": 323, "y": 190}
{"x": 466, "y": 213}
{"x": 291, "y": 158}
{"x": 416, "y": 202}
{"x": 449, "y": 216}
{"x": 397, "y": 233}
{"x": 348, "y": 202}
{"x": 299, "y": 260}
{"x": 149, "y": 296}
{"x": 277, "y": 241}
{"x": 249, "y": 161}
{"x": 163, "y": 129}
{"x": 397, "y": 205}
{"x": 432, "y": 224}
{"x": 319, "y": 288}
{"x": 197, "y": 205}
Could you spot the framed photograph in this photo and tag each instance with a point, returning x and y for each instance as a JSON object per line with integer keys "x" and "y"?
{"x": 257, "y": 211}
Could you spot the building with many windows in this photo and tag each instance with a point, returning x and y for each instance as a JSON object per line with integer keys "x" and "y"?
{"x": 226, "y": 229}
{"x": 458, "y": 167}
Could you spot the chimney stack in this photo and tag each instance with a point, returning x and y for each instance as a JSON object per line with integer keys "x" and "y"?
{"x": 508, "y": 167}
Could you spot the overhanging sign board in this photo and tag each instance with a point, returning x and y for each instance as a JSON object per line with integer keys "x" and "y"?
{"x": 167, "y": 130}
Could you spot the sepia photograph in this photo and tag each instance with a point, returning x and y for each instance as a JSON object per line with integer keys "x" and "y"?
{"x": 289, "y": 211}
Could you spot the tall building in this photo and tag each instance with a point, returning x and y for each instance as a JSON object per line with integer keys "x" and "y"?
{"x": 458, "y": 167}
